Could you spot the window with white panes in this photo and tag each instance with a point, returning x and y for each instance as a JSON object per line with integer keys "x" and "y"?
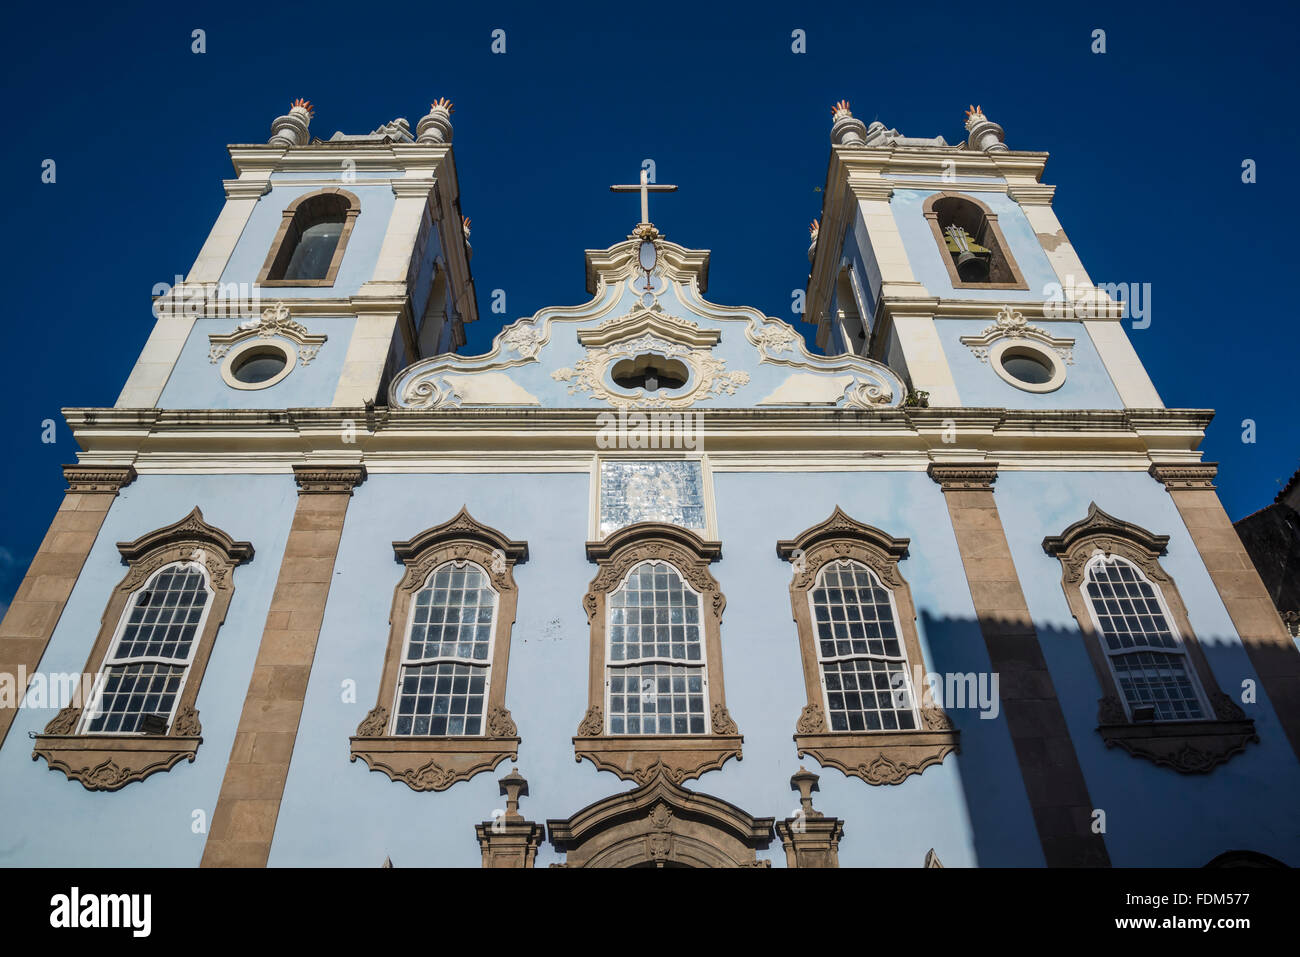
{"x": 860, "y": 653}
{"x": 146, "y": 666}
{"x": 1140, "y": 641}
{"x": 656, "y": 676}
{"x": 442, "y": 687}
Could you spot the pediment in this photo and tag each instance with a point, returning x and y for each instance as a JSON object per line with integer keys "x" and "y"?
{"x": 565, "y": 357}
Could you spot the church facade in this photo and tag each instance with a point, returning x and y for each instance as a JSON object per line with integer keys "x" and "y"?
{"x": 649, "y": 583}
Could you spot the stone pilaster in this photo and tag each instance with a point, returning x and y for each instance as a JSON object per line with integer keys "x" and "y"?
{"x": 1268, "y": 643}
{"x": 243, "y": 822}
{"x": 810, "y": 838}
{"x": 1054, "y": 782}
{"x": 38, "y": 604}
{"x": 508, "y": 840}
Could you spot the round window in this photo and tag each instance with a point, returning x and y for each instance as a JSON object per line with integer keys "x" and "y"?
{"x": 650, "y": 372}
{"x": 1028, "y": 367}
{"x": 258, "y": 366}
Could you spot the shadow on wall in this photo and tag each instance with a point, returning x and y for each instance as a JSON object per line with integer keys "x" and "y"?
{"x": 1043, "y": 759}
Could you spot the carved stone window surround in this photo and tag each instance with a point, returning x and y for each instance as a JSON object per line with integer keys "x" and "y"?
{"x": 991, "y": 218}
{"x": 436, "y": 762}
{"x": 640, "y": 757}
{"x": 1190, "y": 747}
{"x": 110, "y": 761}
{"x": 287, "y": 224}
{"x": 877, "y": 757}
{"x": 273, "y": 329}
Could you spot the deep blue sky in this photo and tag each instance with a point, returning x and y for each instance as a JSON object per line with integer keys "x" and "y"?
{"x": 1147, "y": 142}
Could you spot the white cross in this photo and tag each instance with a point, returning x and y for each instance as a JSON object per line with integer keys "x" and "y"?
{"x": 644, "y": 188}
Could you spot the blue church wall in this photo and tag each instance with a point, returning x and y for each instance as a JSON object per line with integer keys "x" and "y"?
{"x": 50, "y": 821}
{"x": 1087, "y": 383}
{"x": 1154, "y": 815}
{"x": 925, "y": 257}
{"x": 377, "y": 201}
{"x": 972, "y": 809}
{"x": 196, "y": 381}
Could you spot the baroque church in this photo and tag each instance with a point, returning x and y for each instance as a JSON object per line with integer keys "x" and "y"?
{"x": 650, "y": 583}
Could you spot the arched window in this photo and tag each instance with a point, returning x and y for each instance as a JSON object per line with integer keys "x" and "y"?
{"x": 859, "y": 645}
{"x": 657, "y": 679}
{"x": 145, "y": 669}
{"x": 1159, "y": 697}
{"x": 852, "y": 327}
{"x": 442, "y": 688}
{"x": 440, "y": 715}
{"x": 313, "y": 235}
{"x": 971, "y": 243}
{"x": 138, "y": 714}
{"x": 1141, "y": 643}
{"x": 655, "y": 688}
{"x": 864, "y": 668}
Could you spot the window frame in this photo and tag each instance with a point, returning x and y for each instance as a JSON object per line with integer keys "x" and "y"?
{"x": 1187, "y": 745}
{"x": 640, "y": 757}
{"x": 436, "y": 762}
{"x": 486, "y": 665}
{"x": 879, "y": 757}
{"x": 610, "y": 667}
{"x": 110, "y": 760}
{"x": 893, "y": 610}
{"x": 101, "y": 676}
{"x": 1109, "y": 655}
{"x": 290, "y": 232}
{"x": 991, "y": 221}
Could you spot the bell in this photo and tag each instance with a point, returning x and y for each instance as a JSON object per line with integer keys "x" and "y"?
{"x": 972, "y": 268}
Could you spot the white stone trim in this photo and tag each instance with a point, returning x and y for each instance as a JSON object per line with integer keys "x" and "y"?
{"x": 1036, "y": 350}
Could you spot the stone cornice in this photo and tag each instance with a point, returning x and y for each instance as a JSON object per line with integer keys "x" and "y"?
{"x": 384, "y": 439}
{"x": 90, "y": 478}
{"x": 1185, "y": 476}
{"x": 954, "y": 476}
{"x": 328, "y": 479}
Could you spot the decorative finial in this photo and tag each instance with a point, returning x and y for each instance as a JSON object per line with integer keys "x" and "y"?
{"x": 435, "y": 126}
{"x": 513, "y": 786}
{"x": 985, "y": 135}
{"x": 805, "y": 782}
{"x": 845, "y": 130}
{"x": 292, "y": 128}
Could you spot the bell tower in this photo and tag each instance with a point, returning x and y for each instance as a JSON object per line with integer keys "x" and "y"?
{"x": 948, "y": 263}
{"x": 333, "y": 264}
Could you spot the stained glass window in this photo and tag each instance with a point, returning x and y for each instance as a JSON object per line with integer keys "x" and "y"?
{"x": 650, "y": 491}
{"x": 656, "y": 674}
{"x": 147, "y": 665}
{"x": 860, "y": 651}
{"x": 442, "y": 686}
{"x": 1145, "y": 653}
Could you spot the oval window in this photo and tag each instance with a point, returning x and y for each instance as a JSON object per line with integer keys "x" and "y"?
{"x": 650, "y": 372}
{"x": 259, "y": 365}
{"x": 1027, "y": 367}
